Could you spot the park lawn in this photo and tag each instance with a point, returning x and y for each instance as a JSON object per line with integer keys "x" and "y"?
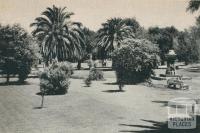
{"x": 96, "y": 109}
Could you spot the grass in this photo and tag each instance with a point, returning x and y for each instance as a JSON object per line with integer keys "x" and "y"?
{"x": 99, "y": 108}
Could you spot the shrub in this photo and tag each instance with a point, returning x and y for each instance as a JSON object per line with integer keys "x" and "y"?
{"x": 134, "y": 61}
{"x": 96, "y": 74}
{"x": 88, "y": 82}
{"x": 23, "y": 71}
{"x": 55, "y": 79}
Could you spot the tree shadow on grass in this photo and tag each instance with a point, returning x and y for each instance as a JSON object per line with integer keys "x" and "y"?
{"x": 39, "y": 107}
{"x": 113, "y": 91}
{"x": 164, "y": 103}
{"x": 55, "y": 94}
{"x": 14, "y": 83}
{"x": 113, "y": 83}
{"x": 159, "y": 127}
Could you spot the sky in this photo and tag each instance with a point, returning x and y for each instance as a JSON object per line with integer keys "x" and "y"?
{"x": 94, "y": 12}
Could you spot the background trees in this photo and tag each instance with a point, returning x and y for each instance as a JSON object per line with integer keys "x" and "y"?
{"x": 164, "y": 37}
{"x": 188, "y": 49}
{"x": 60, "y": 38}
{"x": 89, "y": 38}
{"x": 18, "y": 51}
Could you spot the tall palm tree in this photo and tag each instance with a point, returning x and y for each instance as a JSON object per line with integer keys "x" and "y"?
{"x": 193, "y": 5}
{"x": 60, "y": 38}
{"x": 114, "y": 31}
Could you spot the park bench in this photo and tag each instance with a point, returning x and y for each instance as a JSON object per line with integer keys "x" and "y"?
{"x": 177, "y": 83}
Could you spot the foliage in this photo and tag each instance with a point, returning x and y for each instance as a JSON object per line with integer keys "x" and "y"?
{"x": 18, "y": 51}
{"x": 88, "y": 82}
{"x": 113, "y": 32}
{"x": 188, "y": 49}
{"x": 164, "y": 37}
{"x": 89, "y": 45}
{"x": 89, "y": 39}
{"x": 96, "y": 74}
{"x": 60, "y": 38}
{"x": 55, "y": 79}
{"x": 193, "y": 5}
{"x": 134, "y": 62}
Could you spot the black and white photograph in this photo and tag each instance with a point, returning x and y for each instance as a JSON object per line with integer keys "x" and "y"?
{"x": 99, "y": 66}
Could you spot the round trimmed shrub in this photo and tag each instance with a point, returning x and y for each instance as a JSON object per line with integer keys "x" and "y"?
{"x": 55, "y": 79}
{"x": 134, "y": 61}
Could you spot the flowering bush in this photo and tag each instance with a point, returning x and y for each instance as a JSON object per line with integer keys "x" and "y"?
{"x": 134, "y": 61}
{"x": 55, "y": 79}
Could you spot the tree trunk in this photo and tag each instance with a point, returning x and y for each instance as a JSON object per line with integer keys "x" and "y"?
{"x": 8, "y": 78}
{"x": 42, "y": 101}
{"x": 90, "y": 61}
{"x": 46, "y": 63}
{"x": 102, "y": 63}
{"x": 79, "y": 65}
{"x": 120, "y": 87}
{"x": 186, "y": 63}
{"x": 162, "y": 62}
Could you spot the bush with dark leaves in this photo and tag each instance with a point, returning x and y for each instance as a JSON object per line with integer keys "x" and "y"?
{"x": 55, "y": 79}
{"x": 134, "y": 62}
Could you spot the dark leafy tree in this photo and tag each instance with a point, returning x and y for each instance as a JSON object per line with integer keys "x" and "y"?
{"x": 18, "y": 51}
{"x": 188, "y": 49}
{"x": 164, "y": 37}
{"x": 134, "y": 61}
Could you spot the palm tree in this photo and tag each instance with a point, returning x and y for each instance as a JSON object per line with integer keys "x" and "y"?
{"x": 193, "y": 5}
{"x": 89, "y": 40}
{"x": 133, "y": 23}
{"x": 112, "y": 33}
{"x": 60, "y": 38}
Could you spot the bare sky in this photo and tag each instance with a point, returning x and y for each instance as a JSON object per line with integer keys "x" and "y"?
{"x": 93, "y": 12}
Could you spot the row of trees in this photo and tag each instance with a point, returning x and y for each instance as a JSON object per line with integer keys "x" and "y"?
{"x": 61, "y": 39}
